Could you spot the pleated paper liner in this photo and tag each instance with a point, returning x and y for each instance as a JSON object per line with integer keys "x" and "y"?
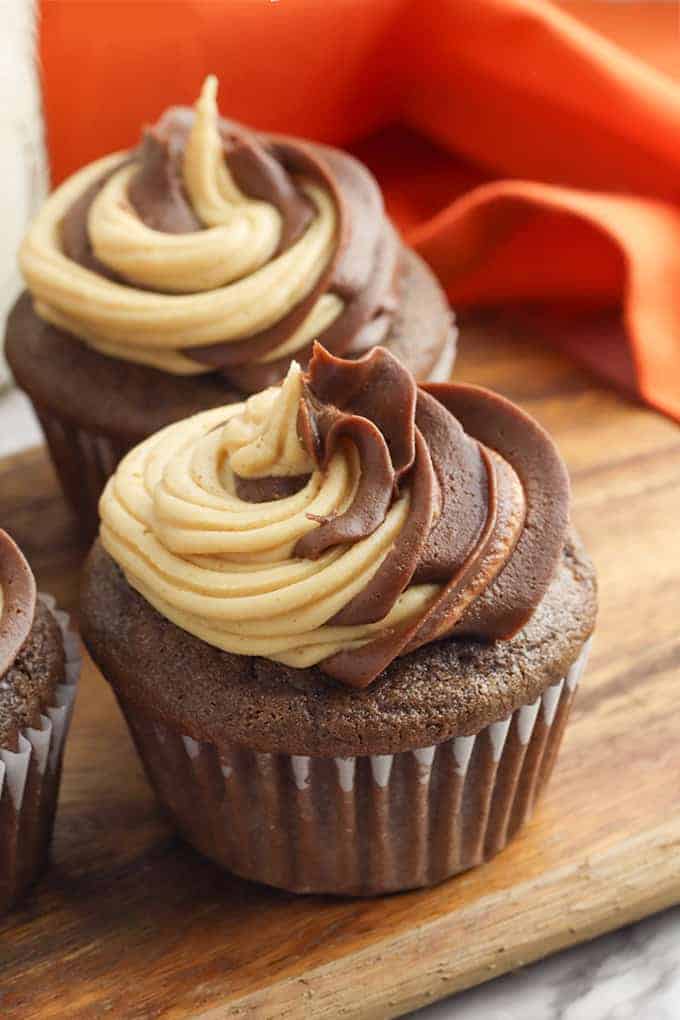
{"x": 358, "y": 826}
{"x": 84, "y": 461}
{"x": 29, "y": 780}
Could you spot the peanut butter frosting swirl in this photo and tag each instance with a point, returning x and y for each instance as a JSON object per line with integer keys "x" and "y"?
{"x": 343, "y": 518}
{"x": 213, "y": 248}
{"x": 17, "y": 601}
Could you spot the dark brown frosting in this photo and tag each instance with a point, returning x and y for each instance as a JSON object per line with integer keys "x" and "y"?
{"x": 18, "y": 601}
{"x": 262, "y": 490}
{"x": 156, "y": 191}
{"x": 366, "y": 269}
{"x": 75, "y": 239}
{"x": 488, "y": 510}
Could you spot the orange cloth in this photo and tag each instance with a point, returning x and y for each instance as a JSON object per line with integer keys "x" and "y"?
{"x": 529, "y": 150}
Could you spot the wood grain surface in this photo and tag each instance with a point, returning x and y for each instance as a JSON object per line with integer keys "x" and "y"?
{"x": 130, "y": 922}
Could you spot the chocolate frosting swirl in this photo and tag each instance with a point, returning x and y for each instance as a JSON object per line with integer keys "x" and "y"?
{"x": 468, "y": 522}
{"x": 17, "y": 601}
{"x": 214, "y": 248}
{"x": 344, "y": 518}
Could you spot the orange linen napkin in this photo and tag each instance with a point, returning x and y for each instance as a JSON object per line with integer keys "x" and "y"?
{"x": 529, "y": 150}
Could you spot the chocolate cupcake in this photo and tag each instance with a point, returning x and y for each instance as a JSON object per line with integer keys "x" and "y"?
{"x": 345, "y": 621}
{"x": 190, "y": 271}
{"x": 39, "y": 665}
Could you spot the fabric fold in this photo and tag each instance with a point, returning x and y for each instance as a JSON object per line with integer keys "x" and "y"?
{"x": 573, "y": 106}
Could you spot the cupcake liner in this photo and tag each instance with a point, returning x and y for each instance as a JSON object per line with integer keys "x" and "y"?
{"x": 84, "y": 461}
{"x": 359, "y": 825}
{"x": 29, "y": 779}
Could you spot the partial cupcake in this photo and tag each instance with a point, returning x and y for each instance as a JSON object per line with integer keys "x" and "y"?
{"x": 190, "y": 271}
{"x": 39, "y": 666}
{"x": 345, "y": 621}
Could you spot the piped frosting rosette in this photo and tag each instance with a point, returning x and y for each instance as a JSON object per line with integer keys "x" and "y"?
{"x": 343, "y": 518}
{"x": 211, "y": 247}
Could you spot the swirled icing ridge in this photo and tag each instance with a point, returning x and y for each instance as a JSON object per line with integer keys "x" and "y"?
{"x": 343, "y": 518}
{"x": 210, "y": 247}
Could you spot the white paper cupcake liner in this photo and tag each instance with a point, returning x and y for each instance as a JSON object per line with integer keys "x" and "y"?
{"x": 84, "y": 461}
{"x": 29, "y": 778}
{"x": 358, "y": 825}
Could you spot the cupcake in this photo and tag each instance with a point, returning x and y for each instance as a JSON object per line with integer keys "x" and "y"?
{"x": 344, "y": 620}
{"x": 39, "y": 667}
{"x": 188, "y": 273}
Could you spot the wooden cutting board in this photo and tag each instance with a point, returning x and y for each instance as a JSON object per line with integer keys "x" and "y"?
{"x": 131, "y": 923}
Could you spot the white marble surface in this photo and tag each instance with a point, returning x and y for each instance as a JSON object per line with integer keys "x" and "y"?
{"x": 633, "y": 974}
{"x": 18, "y": 425}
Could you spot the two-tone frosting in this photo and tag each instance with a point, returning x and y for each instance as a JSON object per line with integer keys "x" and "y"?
{"x": 213, "y": 248}
{"x": 343, "y": 518}
{"x": 17, "y": 601}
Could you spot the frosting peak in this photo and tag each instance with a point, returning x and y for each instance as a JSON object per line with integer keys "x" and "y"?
{"x": 371, "y": 405}
{"x": 343, "y": 518}
{"x": 262, "y": 441}
{"x": 213, "y": 248}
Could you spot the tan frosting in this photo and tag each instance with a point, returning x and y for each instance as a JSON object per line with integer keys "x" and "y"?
{"x": 262, "y": 441}
{"x": 343, "y": 518}
{"x": 224, "y": 569}
{"x": 223, "y": 283}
